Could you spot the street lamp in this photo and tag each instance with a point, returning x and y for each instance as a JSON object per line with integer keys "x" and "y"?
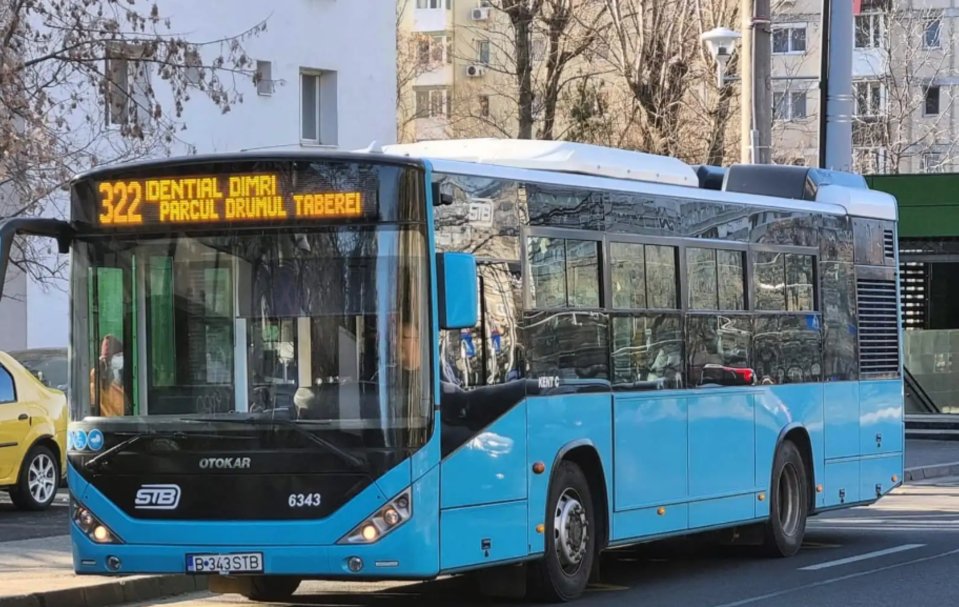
{"x": 719, "y": 42}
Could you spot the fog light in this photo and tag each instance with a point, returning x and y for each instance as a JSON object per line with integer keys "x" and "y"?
{"x": 370, "y": 533}
{"x": 354, "y": 563}
{"x": 113, "y": 563}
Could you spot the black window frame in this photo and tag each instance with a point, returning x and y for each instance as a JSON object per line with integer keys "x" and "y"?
{"x": 631, "y": 239}
{"x": 565, "y": 234}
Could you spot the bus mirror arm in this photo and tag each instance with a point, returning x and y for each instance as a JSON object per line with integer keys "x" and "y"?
{"x": 31, "y": 226}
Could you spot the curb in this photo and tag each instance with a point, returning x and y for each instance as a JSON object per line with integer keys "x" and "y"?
{"x": 114, "y": 592}
{"x": 914, "y": 474}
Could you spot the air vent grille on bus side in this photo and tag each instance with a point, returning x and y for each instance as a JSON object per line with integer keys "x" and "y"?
{"x": 878, "y": 332}
{"x": 888, "y": 244}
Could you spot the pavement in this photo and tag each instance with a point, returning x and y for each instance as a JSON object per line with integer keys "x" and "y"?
{"x": 36, "y": 567}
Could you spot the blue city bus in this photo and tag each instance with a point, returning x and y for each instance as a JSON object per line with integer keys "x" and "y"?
{"x": 474, "y": 356}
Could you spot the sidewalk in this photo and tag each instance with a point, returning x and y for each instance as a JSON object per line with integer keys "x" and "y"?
{"x": 39, "y": 573}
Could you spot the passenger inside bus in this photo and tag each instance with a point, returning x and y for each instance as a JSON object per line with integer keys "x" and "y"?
{"x": 106, "y": 381}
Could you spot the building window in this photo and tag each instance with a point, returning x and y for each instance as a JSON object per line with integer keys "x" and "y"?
{"x": 434, "y": 49}
{"x": 310, "y": 107}
{"x": 264, "y": 78}
{"x": 871, "y": 30}
{"x": 789, "y": 105}
{"x": 433, "y": 4}
{"x": 869, "y": 160}
{"x": 537, "y": 49}
{"x": 482, "y": 52}
{"x": 789, "y": 39}
{"x": 868, "y": 98}
{"x": 931, "y": 32}
{"x": 432, "y": 103}
{"x": 484, "y": 106}
{"x": 931, "y": 105}
{"x": 931, "y": 162}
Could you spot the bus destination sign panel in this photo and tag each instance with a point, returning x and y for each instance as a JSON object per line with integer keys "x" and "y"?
{"x": 222, "y": 199}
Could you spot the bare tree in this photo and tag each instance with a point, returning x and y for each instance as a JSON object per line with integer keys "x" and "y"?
{"x": 533, "y": 52}
{"x": 900, "y": 116}
{"x": 654, "y": 47}
{"x": 77, "y": 89}
{"x": 414, "y": 56}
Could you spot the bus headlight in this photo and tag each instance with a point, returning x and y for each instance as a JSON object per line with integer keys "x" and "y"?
{"x": 386, "y": 519}
{"x": 91, "y": 526}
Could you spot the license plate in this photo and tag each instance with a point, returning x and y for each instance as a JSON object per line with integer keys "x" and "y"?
{"x": 238, "y": 562}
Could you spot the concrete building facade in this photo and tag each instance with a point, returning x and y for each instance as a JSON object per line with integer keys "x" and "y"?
{"x": 326, "y": 79}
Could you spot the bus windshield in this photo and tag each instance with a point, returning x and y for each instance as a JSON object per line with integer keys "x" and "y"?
{"x": 325, "y": 328}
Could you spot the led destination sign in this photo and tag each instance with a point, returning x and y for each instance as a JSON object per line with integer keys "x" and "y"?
{"x": 227, "y": 198}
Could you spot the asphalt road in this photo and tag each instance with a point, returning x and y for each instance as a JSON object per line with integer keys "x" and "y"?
{"x": 17, "y": 525}
{"x": 902, "y": 550}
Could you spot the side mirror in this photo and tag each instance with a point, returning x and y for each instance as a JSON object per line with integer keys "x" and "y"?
{"x": 458, "y": 287}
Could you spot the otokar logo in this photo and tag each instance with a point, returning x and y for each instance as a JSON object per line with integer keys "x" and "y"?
{"x": 225, "y": 463}
{"x": 157, "y": 497}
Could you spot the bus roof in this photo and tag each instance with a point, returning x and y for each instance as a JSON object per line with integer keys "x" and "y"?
{"x": 809, "y": 189}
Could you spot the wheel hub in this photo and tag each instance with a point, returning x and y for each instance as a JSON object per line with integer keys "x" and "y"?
{"x": 570, "y": 531}
{"x": 41, "y": 478}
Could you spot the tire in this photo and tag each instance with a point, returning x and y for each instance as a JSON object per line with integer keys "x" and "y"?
{"x": 39, "y": 480}
{"x": 272, "y": 588}
{"x": 788, "y": 504}
{"x": 562, "y": 574}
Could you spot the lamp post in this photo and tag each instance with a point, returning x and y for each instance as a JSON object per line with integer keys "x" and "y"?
{"x": 720, "y": 42}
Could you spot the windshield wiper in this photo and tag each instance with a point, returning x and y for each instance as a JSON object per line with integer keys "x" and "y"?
{"x": 106, "y": 455}
{"x": 347, "y": 457}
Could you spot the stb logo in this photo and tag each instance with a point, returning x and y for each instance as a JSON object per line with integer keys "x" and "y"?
{"x": 157, "y": 497}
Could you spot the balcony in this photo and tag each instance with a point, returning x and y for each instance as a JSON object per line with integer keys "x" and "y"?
{"x": 431, "y": 19}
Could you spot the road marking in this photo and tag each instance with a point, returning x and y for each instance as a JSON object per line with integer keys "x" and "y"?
{"x": 861, "y": 557}
{"x": 842, "y": 578}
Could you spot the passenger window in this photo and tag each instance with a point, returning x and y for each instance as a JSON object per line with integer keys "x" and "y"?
{"x": 719, "y": 350}
{"x": 799, "y": 283}
{"x": 770, "y": 281}
{"x": 648, "y": 352}
{"x": 785, "y": 281}
{"x": 565, "y": 273}
{"x": 8, "y": 393}
{"x": 643, "y": 276}
{"x": 715, "y": 279}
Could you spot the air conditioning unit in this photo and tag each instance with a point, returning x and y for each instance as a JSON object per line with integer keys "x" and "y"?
{"x": 480, "y": 13}
{"x": 475, "y": 70}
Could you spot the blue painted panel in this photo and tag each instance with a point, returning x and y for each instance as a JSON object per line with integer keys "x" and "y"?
{"x": 465, "y": 531}
{"x": 780, "y": 409}
{"x": 842, "y": 483}
{"x": 651, "y": 450}
{"x": 428, "y": 457}
{"x": 647, "y": 522}
{"x": 880, "y": 411}
{"x": 393, "y": 552}
{"x": 722, "y": 443}
{"x": 489, "y": 468}
{"x": 877, "y": 473}
{"x": 841, "y": 412}
{"x": 267, "y": 533}
{"x": 708, "y": 513}
{"x": 556, "y": 421}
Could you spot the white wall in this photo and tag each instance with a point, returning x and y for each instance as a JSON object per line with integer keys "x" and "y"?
{"x": 356, "y": 39}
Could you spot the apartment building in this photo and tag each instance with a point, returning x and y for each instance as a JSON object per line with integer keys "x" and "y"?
{"x": 904, "y": 71}
{"x": 327, "y": 78}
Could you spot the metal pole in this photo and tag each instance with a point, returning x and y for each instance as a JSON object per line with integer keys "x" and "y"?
{"x": 836, "y": 98}
{"x": 756, "y": 129}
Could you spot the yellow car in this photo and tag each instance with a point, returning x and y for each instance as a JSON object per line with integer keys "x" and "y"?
{"x": 33, "y": 436}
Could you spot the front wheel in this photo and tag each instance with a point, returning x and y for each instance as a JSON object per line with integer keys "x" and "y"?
{"x": 563, "y": 572}
{"x": 789, "y": 503}
{"x": 271, "y": 588}
{"x": 39, "y": 480}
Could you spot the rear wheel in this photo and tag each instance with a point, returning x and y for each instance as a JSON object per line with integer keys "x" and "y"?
{"x": 39, "y": 480}
{"x": 563, "y": 572}
{"x": 272, "y": 588}
{"x": 789, "y": 503}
